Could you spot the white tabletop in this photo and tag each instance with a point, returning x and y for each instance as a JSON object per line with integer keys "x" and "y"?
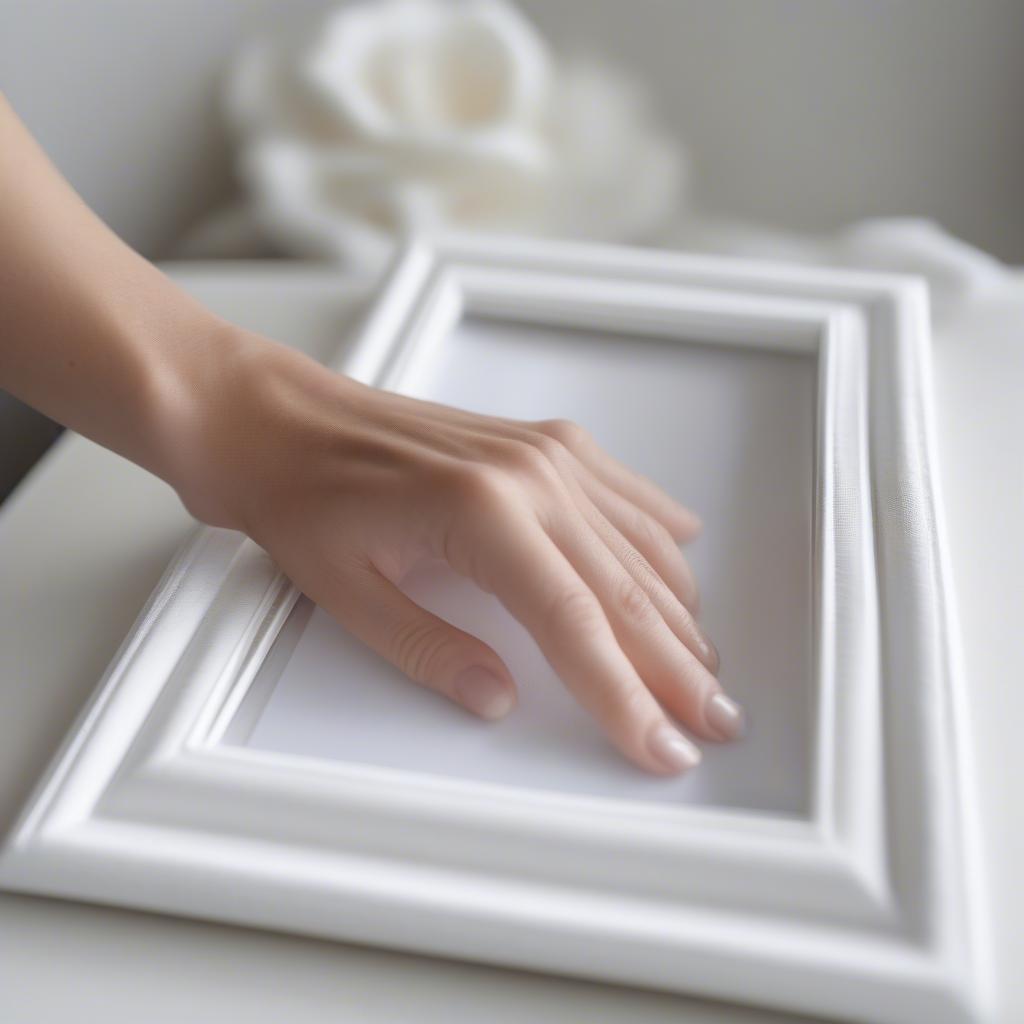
{"x": 85, "y": 538}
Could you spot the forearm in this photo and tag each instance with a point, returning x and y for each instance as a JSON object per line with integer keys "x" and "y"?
{"x": 91, "y": 333}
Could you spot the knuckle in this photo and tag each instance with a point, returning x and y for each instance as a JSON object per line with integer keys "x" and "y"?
{"x": 551, "y": 450}
{"x": 641, "y": 570}
{"x": 567, "y": 433}
{"x": 527, "y": 460}
{"x": 575, "y": 612}
{"x": 654, "y": 534}
{"x": 482, "y": 486}
{"x": 634, "y": 604}
{"x": 421, "y": 651}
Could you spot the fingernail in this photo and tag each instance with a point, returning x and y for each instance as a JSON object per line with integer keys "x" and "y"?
{"x": 706, "y": 648}
{"x": 696, "y": 523}
{"x": 483, "y": 693}
{"x": 673, "y": 749}
{"x": 712, "y": 655}
{"x": 725, "y": 716}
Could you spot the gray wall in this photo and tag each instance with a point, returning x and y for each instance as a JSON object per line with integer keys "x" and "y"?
{"x": 807, "y": 113}
{"x": 804, "y": 113}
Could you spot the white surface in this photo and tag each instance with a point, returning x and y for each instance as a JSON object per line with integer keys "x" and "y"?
{"x": 729, "y": 431}
{"x": 77, "y": 565}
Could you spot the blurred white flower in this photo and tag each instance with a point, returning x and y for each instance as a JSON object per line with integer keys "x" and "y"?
{"x": 408, "y": 115}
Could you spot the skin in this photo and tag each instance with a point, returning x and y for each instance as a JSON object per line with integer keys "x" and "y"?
{"x": 348, "y": 487}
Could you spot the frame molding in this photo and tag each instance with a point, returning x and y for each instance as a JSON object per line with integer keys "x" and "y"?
{"x": 868, "y": 909}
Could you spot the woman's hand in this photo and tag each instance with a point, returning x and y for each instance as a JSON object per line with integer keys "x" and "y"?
{"x": 348, "y": 487}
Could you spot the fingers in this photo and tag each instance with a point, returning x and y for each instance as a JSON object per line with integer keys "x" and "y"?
{"x": 680, "y": 522}
{"x": 649, "y": 558}
{"x": 653, "y": 629}
{"x": 427, "y": 649}
{"x": 649, "y": 567}
{"x": 649, "y": 537}
{"x": 538, "y": 585}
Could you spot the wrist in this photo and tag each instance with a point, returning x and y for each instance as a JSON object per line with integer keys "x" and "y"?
{"x": 235, "y": 415}
{"x": 191, "y": 419}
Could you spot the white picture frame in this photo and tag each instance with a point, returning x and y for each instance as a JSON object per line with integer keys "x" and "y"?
{"x": 868, "y": 909}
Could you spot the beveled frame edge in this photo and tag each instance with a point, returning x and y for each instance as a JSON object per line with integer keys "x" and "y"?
{"x": 173, "y": 770}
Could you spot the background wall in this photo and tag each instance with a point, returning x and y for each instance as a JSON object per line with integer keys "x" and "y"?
{"x": 807, "y": 113}
{"x": 803, "y": 113}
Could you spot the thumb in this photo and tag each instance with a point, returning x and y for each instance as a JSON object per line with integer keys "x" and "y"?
{"x": 427, "y": 649}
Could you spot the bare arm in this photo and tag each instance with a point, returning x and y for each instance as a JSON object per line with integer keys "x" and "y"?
{"x": 257, "y": 437}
